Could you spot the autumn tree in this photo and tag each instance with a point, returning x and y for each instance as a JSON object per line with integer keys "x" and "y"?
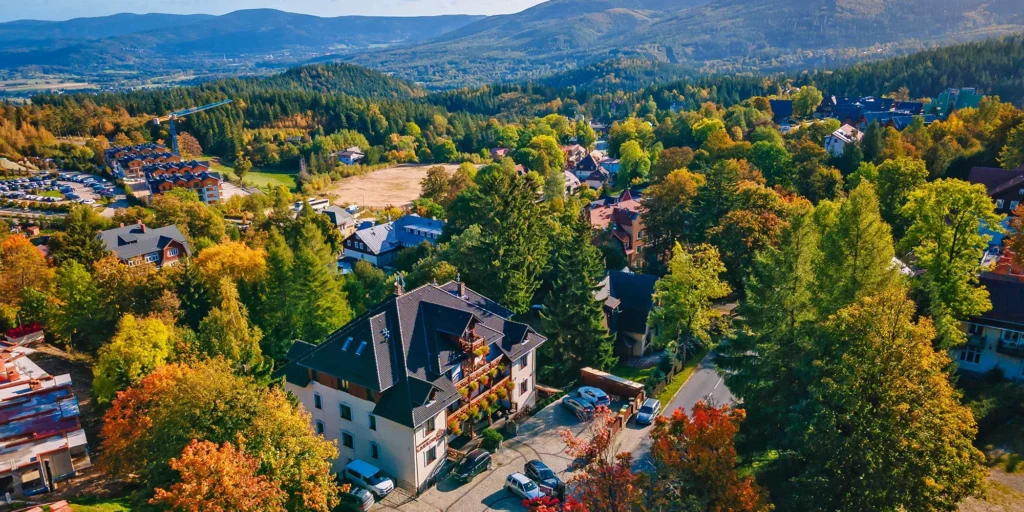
{"x": 22, "y": 267}
{"x": 573, "y": 320}
{"x": 233, "y": 260}
{"x": 78, "y": 241}
{"x": 219, "y": 479}
{"x": 945, "y": 218}
{"x": 683, "y": 299}
{"x": 695, "y": 459}
{"x": 896, "y": 180}
{"x": 671, "y": 159}
{"x": 189, "y": 146}
{"x": 227, "y": 332}
{"x": 806, "y": 101}
{"x": 607, "y": 482}
{"x": 755, "y": 224}
{"x": 666, "y": 208}
{"x": 155, "y": 420}
{"x": 435, "y": 184}
{"x": 140, "y": 346}
{"x": 1012, "y": 155}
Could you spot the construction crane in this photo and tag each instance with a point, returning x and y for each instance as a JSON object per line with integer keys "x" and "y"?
{"x": 178, "y": 114}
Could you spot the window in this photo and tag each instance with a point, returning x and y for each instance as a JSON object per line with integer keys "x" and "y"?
{"x": 374, "y": 451}
{"x": 362, "y": 346}
{"x": 173, "y": 251}
{"x": 523, "y": 361}
{"x": 346, "y": 440}
{"x": 999, "y": 204}
{"x": 345, "y": 411}
{"x": 431, "y": 426}
{"x": 344, "y": 346}
{"x": 317, "y": 401}
{"x": 343, "y": 385}
{"x": 431, "y": 455}
{"x": 1021, "y": 192}
{"x": 524, "y": 387}
{"x": 153, "y": 257}
{"x": 373, "y": 422}
{"x": 975, "y": 329}
{"x": 1011, "y": 336}
{"x": 1013, "y": 205}
{"x": 970, "y": 354}
{"x": 319, "y": 427}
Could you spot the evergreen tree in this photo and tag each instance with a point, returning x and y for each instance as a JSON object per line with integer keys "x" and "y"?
{"x": 226, "y": 332}
{"x": 573, "y": 320}
{"x": 272, "y": 311}
{"x": 320, "y": 305}
{"x": 78, "y": 241}
{"x": 872, "y": 142}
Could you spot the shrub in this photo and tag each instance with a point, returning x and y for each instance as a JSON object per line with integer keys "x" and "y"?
{"x": 492, "y": 440}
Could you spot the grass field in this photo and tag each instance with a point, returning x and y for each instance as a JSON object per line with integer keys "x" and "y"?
{"x": 390, "y": 186}
{"x": 52, "y": 193}
{"x": 100, "y": 505}
{"x": 633, "y": 373}
{"x": 257, "y": 177}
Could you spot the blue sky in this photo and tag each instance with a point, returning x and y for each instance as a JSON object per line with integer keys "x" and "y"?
{"x": 66, "y": 9}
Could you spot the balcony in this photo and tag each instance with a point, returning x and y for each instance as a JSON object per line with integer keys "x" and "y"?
{"x": 473, "y": 371}
{"x": 475, "y": 400}
{"x": 471, "y": 346}
{"x": 1009, "y": 348}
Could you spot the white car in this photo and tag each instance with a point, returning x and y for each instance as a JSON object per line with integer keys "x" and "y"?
{"x": 369, "y": 477}
{"x": 520, "y": 485}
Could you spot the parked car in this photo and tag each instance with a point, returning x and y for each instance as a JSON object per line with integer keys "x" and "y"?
{"x": 648, "y": 411}
{"x": 519, "y": 485}
{"x": 577, "y": 406}
{"x": 539, "y": 472}
{"x": 475, "y": 463}
{"x": 357, "y": 498}
{"x": 594, "y": 396}
{"x": 369, "y": 477}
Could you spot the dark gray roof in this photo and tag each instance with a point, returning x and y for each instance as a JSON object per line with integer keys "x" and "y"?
{"x": 1007, "y": 296}
{"x": 633, "y": 294}
{"x": 338, "y": 215}
{"x": 408, "y": 352}
{"x": 137, "y": 240}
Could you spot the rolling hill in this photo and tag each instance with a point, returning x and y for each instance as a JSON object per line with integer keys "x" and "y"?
{"x": 720, "y": 35}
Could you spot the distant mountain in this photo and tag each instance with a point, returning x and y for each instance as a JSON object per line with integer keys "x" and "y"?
{"x": 721, "y": 35}
{"x": 160, "y": 41}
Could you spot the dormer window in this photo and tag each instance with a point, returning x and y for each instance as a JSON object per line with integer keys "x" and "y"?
{"x": 362, "y": 346}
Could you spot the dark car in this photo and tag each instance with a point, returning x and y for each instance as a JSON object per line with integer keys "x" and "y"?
{"x": 549, "y": 483}
{"x": 475, "y": 463}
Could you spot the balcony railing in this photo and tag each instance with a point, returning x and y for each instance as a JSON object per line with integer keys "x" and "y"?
{"x": 479, "y": 398}
{"x": 471, "y": 346}
{"x": 1010, "y": 348}
{"x": 470, "y": 373}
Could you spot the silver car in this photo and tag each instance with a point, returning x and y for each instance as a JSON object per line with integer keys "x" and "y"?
{"x": 648, "y": 411}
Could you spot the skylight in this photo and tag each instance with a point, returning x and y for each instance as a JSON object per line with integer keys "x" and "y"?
{"x": 359, "y": 351}
{"x": 347, "y": 343}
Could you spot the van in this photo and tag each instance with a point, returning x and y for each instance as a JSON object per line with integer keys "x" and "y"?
{"x": 475, "y": 463}
{"x": 369, "y": 477}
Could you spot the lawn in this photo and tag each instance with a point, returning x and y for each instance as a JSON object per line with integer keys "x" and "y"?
{"x": 88, "y": 504}
{"x": 677, "y": 382}
{"x": 258, "y": 177}
{"x": 633, "y": 373}
{"x": 52, "y": 193}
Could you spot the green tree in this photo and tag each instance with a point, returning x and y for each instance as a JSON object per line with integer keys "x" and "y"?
{"x": 226, "y": 332}
{"x": 671, "y": 159}
{"x": 945, "y": 218}
{"x": 366, "y": 286}
{"x": 138, "y": 347}
{"x": 320, "y": 306}
{"x": 585, "y": 135}
{"x": 573, "y": 320}
{"x": 76, "y": 302}
{"x": 773, "y": 161}
{"x": 872, "y": 142}
{"x": 275, "y": 295}
{"x": 667, "y": 207}
{"x": 806, "y": 101}
{"x": 683, "y": 298}
{"x": 1012, "y": 155}
{"x": 635, "y": 164}
{"x": 242, "y": 166}
{"x": 896, "y": 180}
{"x": 444, "y": 151}
{"x": 78, "y": 242}
{"x": 435, "y": 184}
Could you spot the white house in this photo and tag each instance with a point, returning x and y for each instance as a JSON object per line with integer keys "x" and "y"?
{"x": 836, "y": 142}
{"x": 995, "y": 340}
{"x": 390, "y": 385}
{"x": 351, "y": 156}
{"x": 379, "y": 244}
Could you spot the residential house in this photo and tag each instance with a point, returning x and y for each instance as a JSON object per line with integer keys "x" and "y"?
{"x": 620, "y": 217}
{"x": 43, "y": 440}
{"x": 627, "y": 299}
{"x": 138, "y": 244}
{"x": 597, "y": 179}
{"x": 587, "y": 165}
{"x": 995, "y": 339}
{"x": 318, "y": 205}
{"x": 1006, "y": 188}
{"x": 115, "y": 155}
{"x": 341, "y": 218}
{"x": 379, "y": 244}
{"x": 953, "y": 99}
{"x": 132, "y": 167}
{"x": 571, "y": 183}
{"x": 574, "y": 153}
{"x": 499, "y": 153}
{"x": 351, "y": 156}
{"x": 611, "y": 164}
{"x": 837, "y": 141}
{"x": 206, "y": 184}
{"x": 388, "y": 386}
{"x": 782, "y": 110}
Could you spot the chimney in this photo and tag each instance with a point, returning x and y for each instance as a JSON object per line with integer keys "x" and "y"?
{"x": 462, "y": 286}
{"x": 142, "y": 226}
{"x": 122, "y": 225}
{"x": 399, "y": 285}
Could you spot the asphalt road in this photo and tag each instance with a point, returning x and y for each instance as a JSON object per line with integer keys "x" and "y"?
{"x": 704, "y": 384}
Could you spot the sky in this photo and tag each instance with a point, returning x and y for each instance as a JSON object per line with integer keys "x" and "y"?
{"x": 67, "y": 9}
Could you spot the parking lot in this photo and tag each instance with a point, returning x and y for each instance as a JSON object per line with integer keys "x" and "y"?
{"x": 72, "y": 186}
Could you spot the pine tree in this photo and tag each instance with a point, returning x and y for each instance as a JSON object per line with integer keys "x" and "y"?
{"x": 275, "y": 294}
{"x": 320, "y": 305}
{"x": 227, "y": 332}
{"x": 573, "y": 320}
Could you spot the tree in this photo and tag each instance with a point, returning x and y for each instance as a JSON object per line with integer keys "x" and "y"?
{"x": 683, "y": 298}
{"x": 78, "y": 240}
{"x": 896, "y": 179}
{"x": 435, "y": 183}
{"x": 1012, "y": 155}
{"x": 634, "y": 163}
{"x": 754, "y": 225}
{"x": 856, "y": 250}
{"x": 242, "y": 166}
{"x": 585, "y": 134}
{"x": 444, "y": 150}
{"x": 671, "y": 159}
{"x": 945, "y": 217}
{"x": 882, "y": 427}
{"x": 189, "y": 146}
{"x": 22, "y": 267}
{"x": 666, "y": 207}
{"x": 1015, "y": 242}
{"x": 696, "y": 457}
{"x": 202, "y": 224}
{"x": 872, "y": 142}
{"x": 226, "y": 332}
{"x": 315, "y": 270}
{"x": 76, "y": 301}
{"x": 806, "y": 101}
{"x": 607, "y": 483}
{"x": 219, "y": 479}
{"x": 233, "y": 260}
{"x": 773, "y": 161}
{"x": 366, "y": 286}
{"x": 139, "y": 347}
{"x": 573, "y": 320}
{"x": 122, "y": 140}
{"x": 152, "y": 422}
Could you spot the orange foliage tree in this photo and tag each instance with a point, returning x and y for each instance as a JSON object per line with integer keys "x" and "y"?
{"x": 695, "y": 458}
{"x": 219, "y": 479}
{"x": 607, "y": 482}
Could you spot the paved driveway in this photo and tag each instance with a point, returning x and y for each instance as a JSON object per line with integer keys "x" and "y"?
{"x": 538, "y": 439}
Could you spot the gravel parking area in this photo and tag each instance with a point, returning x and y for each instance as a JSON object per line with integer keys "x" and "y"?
{"x": 538, "y": 438}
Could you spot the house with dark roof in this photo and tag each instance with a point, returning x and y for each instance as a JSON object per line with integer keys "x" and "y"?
{"x": 954, "y": 99}
{"x": 341, "y": 218}
{"x": 351, "y": 156}
{"x": 620, "y": 218}
{"x": 995, "y": 339}
{"x": 782, "y": 110}
{"x": 1006, "y": 188}
{"x": 628, "y": 299}
{"x": 396, "y": 384}
{"x": 379, "y": 244}
{"x": 836, "y": 143}
{"x": 138, "y": 244}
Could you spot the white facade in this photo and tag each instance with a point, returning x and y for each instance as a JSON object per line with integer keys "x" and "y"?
{"x": 992, "y": 347}
{"x": 836, "y": 143}
{"x": 394, "y": 445}
{"x": 525, "y": 379}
